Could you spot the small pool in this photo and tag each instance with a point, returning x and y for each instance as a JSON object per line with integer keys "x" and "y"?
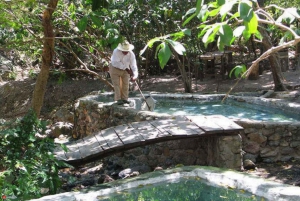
{"x": 230, "y": 109}
{"x": 187, "y": 188}
{"x": 189, "y": 183}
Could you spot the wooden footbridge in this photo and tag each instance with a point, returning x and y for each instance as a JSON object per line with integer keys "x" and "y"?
{"x": 123, "y": 137}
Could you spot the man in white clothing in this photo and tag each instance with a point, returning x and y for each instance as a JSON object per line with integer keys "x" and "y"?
{"x": 123, "y": 68}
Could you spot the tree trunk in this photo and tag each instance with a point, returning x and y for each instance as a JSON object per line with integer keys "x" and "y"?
{"x": 47, "y": 57}
{"x": 185, "y": 78}
{"x": 274, "y": 62}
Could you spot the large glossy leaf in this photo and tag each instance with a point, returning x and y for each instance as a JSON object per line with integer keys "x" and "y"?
{"x": 178, "y": 47}
{"x": 246, "y": 34}
{"x": 204, "y": 29}
{"x": 258, "y": 35}
{"x": 210, "y": 34}
{"x": 226, "y": 8}
{"x": 251, "y": 26}
{"x": 190, "y": 11}
{"x": 238, "y": 31}
{"x": 214, "y": 12}
{"x": 226, "y": 34}
{"x": 220, "y": 44}
{"x": 181, "y": 34}
{"x": 288, "y": 15}
{"x": 164, "y": 54}
{"x": 82, "y": 24}
{"x": 238, "y": 71}
{"x": 203, "y": 14}
{"x": 246, "y": 11}
{"x": 198, "y": 8}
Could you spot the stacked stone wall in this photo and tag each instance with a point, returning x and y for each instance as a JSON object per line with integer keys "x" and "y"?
{"x": 270, "y": 141}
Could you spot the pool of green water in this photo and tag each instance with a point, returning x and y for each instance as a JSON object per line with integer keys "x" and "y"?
{"x": 183, "y": 189}
{"x": 230, "y": 109}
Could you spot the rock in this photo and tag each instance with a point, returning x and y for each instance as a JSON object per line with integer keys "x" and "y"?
{"x": 249, "y": 165}
{"x": 61, "y": 128}
{"x": 88, "y": 182}
{"x": 104, "y": 178}
{"x": 158, "y": 169}
{"x": 129, "y": 172}
{"x": 257, "y": 137}
{"x": 63, "y": 114}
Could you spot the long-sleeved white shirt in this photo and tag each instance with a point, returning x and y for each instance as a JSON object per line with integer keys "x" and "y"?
{"x": 121, "y": 61}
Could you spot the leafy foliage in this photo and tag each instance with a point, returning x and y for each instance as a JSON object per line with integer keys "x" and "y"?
{"x": 29, "y": 166}
{"x": 239, "y": 71}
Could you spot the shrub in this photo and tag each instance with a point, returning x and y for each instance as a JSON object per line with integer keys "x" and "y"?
{"x": 28, "y": 168}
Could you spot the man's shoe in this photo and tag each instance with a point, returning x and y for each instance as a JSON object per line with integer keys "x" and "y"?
{"x": 120, "y": 102}
{"x": 126, "y": 101}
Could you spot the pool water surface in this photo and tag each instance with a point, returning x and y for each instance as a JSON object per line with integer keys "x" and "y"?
{"x": 187, "y": 188}
{"x": 230, "y": 109}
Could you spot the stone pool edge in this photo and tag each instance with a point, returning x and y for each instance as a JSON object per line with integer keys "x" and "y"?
{"x": 217, "y": 176}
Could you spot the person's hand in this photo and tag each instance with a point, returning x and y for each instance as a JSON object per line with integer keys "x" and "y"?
{"x": 133, "y": 79}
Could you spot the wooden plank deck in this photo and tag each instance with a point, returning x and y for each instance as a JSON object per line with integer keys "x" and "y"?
{"x": 124, "y": 137}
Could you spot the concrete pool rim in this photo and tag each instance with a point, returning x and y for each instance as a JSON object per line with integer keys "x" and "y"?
{"x": 216, "y": 176}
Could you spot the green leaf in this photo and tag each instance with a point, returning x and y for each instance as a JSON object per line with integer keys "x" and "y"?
{"x": 246, "y": 11}
{"x": 238, "y": 71}
{"x": 150, "y": 44}
{"x": 210, "y": 34}
{"x": 64, "y": 147}
{"x": 226, "y": 8}
{"x": 226, "y": 34}
{"x": 181, "y": 34}
{"x": 239, "y": 31}
{"x": 82, "y": 24}
{"x": 72, "y": 8}
{"x": 220, "y": 44}
{"x": 203, "y": 31}
{"x": 190, "y": 11}
{"x": 258, "y": 35}
{"x": 220, "y": 2}
{"x": 164, "y": 54}
{"x": 96, "y": 21}
{"x": 152, "y": 41}
{"x": 187, "y": 32}
{"x": 178, "y": 47}
{"x": 251, "y": 26}
{"x": 198, "y": 8}
{"x": 203, "y": 14}
{"x": 246, "y": 34}
{"x": 214, "y": 12}
{"x": 289, "y": 15}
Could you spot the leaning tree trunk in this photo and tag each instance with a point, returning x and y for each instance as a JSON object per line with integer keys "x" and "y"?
{"x": 47, "y": 57}
{"x": 185, "y": 78}
{"x": 274, "y": 62}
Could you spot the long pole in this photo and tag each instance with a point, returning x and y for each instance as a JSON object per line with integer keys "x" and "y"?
{"x": 142, "y": 94}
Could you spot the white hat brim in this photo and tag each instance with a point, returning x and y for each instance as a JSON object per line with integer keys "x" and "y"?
{"x": 126, "y": 49}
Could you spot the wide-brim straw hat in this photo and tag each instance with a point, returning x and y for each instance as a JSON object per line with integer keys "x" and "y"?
{"x": 125, "y": 46}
